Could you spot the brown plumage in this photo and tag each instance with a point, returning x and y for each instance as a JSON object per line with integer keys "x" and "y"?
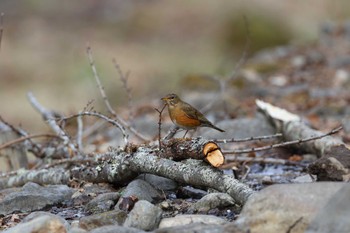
{"x": 184, "y": 115}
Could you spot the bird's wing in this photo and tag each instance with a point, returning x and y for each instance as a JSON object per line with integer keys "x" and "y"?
{"x": 193, "y": 113}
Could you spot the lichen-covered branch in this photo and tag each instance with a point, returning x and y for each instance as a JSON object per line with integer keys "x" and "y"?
{"x": 118, "y": 168}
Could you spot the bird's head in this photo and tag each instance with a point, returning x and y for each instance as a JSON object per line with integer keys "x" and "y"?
{"x": 171, "y": 99}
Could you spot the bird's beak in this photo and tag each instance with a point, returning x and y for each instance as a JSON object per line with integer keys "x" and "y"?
{"x": 164, "y": 98}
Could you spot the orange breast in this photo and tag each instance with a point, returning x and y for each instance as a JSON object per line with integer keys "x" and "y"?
{"x": 181, "y": 120}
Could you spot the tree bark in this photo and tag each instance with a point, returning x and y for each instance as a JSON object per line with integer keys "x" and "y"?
{"x": 119, "y": 168}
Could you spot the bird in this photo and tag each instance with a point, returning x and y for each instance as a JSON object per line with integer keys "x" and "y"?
{"x": 186, "y": 116}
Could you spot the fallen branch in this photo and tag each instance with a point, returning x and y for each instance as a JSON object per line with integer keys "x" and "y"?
{"x": 288, "y": 143}
{"x": 119, "y": 168}
{"x": 196, "y": 148}
{"x": 294, "y": 130}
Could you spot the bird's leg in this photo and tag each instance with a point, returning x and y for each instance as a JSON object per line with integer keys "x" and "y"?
{"x": 185, "y": 134}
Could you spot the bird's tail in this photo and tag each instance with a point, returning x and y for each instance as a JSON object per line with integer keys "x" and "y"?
{"x": 214, "y": 127}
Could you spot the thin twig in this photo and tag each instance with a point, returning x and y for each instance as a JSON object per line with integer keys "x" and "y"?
{"x": 289, "y": 230}
{"x": 171, "y": 133}
{"x": 69, "y": 162}
{"x": 248, "y": 139}
{"x": 1, "y": 26}
{"x": 283, "y": 144}
{"x": 223, "y": 82}
{"x": 36, "y": 149}
{"x": 160, "y": 125}
{"x": 106, "y": 101}
{"x": 80, "y": 133}
{"x": 95, "y": 114}
{"x": 24, "y": 138}
{"x": 49, "y": 118}
{"x": 125, "y": 78}
{"x": 243, "y": 57}
{"x": 245, "y": 159}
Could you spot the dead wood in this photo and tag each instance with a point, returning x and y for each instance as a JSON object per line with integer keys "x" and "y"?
{"x": 196, "y": 148}
{"x": 118, "y": 168}
{"x": 293, "y": 129}
{"x": 296, "y": 130}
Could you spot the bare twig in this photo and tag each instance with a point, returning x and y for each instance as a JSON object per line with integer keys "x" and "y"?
{"x": 171, "y": 133}
{"x": 95, "y": 114}
{"x": 283, "y": 144}
{"x": 160, "y": 125}
{"x": 36, "y": 149}
{"x": 24, "y": 138}
{"x": 50, "y": 119}
{"x": 289, "y": 230}
{"x": 245, "y": 159}
{"x": 125, "y": 78}
{"x": 69, "y": 162}
{"x": 243, "y": 57}
{"x": 106, "y": 101}
{"x": 1, "y": 26}
{"x": 80, "y": 133}
{"x": 223, "y": 82}
{"x": 248, "y": 139}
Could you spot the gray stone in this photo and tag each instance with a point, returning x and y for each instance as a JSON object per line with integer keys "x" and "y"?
{"x": 193, "y": 228}
{"x": 77, "y": 230}
{"x": 34, "y": 197}
{"x": 140, "y": 189}
{"x": 41, "y": 224}
{"x": 116, "y": 229}
{"x": 212, "y": 201}
{"x": 159, "y": 182}
{"x": 334, "y": 217}
{"x": 102, "y": 203}
{"x": 184, "y": 219}
{"x": 144, "y": 215}
{"x": 114, "y": 217}
{"x": 38, "y": 214}
{"x": 277, "y": 207}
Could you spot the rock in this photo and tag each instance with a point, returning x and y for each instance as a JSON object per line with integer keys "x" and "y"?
{"x": 102, "y": 203}
{"x": 184, "y": 219}
{"x": 193, "y": 228}
{"x": 38, "y": 214}
{"x": 212, "y": 201}
{"x": 114, "y": 217}
{"x": 334, "y": 216}
{"x": 42, "y": 224}
{"x": 142, "y": 190}
{"x": 116, "y": 229}
{"x": 333, "y": 166}
{"x": 160, "y": 183}
{"x": 190, "y": 192}
{"x": 34, "y": 197}
{"x": 77, "y": 230}
{"x": 277, "y": 207}
{"x": 303, "y": 179}
{"x": 144, "y": 216}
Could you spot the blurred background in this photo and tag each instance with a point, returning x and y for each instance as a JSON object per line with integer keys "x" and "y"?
{"x": 43, "y": 48}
